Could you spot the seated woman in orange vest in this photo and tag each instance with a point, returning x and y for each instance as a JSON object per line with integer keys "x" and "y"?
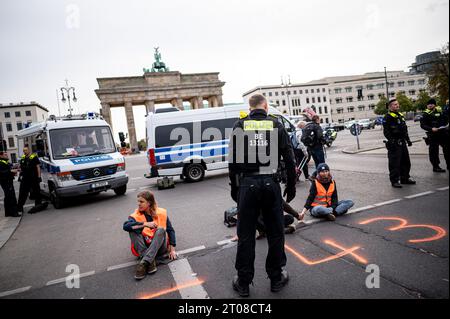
{"x": 323, "y": 198}
{"x": 151, "y": 234}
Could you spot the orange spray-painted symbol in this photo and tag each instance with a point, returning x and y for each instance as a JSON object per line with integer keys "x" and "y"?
{"x": 440, "y": 232}
{"x": 176, "y": 288}
{"x": 344, "y": 252}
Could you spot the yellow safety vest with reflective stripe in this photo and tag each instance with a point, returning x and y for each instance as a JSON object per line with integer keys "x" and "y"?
{"x": 323, "y": 196}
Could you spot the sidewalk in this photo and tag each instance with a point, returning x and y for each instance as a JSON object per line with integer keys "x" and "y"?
{"x": 418, "y": 148}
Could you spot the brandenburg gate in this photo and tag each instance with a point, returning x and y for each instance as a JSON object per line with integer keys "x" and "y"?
{"x": 157, "y": 85}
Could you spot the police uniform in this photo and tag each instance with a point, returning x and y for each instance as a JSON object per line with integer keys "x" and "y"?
{"x": 256, "y": 189}
{"x": 396, "y": 132}
{"x": 6, "y": 182}
{"x": 434, "y": 119}
{"x": 29, "y": 180}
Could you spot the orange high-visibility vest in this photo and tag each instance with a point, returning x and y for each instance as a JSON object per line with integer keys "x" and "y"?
{"x": 323, "y": 197}
{"x": 160, "y": 219}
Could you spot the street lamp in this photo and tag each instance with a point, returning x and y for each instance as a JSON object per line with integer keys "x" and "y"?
{"x": 287, "y": 85}
{"x": 67, "y": 90}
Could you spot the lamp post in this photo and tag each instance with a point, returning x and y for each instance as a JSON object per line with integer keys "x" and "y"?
{"x": 287, "y": 85}
{"x": 67, "y": 90}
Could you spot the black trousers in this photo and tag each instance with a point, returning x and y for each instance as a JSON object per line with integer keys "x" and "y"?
{"x": 318, "y": 155}
{"x": 259, "y": 195}
{"x": 10, "y": 201}
{"x": 399, "y": 162}
{"x": 436, "y": 141}
{"x": 28, "y": 186}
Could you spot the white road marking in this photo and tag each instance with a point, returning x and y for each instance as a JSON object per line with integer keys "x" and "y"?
{"x": 61, "y": 280}
{"x": 420, "y": 194}
{"x": 182, "y": 273}
{"x": 361, "y": 209}
{"x": 126, "y": 265}
{"x": 190, "y": 250}
{"x": 388, "y": 202}
{"x": 13, "y": 292}
{"x": 132, "y": 190}
{"x": 443, "y": 188}
{"x": 224, "y": 242}
{"x": 135, "y": 178}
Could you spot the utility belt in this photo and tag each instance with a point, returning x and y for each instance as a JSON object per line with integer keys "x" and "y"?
{"x": 276, "y": 176}
{"x": 395, "y": 142}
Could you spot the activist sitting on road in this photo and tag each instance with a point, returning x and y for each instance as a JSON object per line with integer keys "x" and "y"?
{"x": 323, "y": 197}
{"x": 151, "y": 234}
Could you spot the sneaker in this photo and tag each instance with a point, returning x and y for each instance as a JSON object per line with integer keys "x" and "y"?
{"x": 289, "y": 229}
{"x": 141, "y": 271}
{"x": 438, "y": 170}
{"x": 396, "y": 185}
{"x": 409, "y": 181}
{"x": 243, "y": 290}
{"x": 330, "y": 217}
{"x": 152, "y": 268}
{"x": 276, "y": 286}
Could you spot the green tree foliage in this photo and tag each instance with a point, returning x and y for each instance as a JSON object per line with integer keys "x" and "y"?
{"x": 438, "y": 76}
{"x": 380, "y": 108}
{"x": 421, "y": 102}
{"x": 406, "y": 104}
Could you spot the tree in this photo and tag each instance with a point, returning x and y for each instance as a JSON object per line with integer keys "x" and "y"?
{"x": 406, "y": 104}
{"x": 438, "y": 76}
{"x": 142, "y": 145}
{"x": 381, "y": 109}
{"x": 422, "y": 100}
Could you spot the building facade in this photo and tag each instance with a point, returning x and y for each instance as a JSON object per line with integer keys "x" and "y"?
{"x": 16, "y": 116}
{"x": 344, "y": 98}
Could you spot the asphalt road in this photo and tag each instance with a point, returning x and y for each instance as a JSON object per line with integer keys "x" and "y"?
{"x": 88, "y": 233}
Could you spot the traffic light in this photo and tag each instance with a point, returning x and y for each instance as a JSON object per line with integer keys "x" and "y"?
{"x": 122, "y": 139}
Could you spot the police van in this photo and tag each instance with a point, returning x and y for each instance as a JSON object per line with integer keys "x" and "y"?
{"x": 189, "y": 143}
{"x": 78, "y": 156}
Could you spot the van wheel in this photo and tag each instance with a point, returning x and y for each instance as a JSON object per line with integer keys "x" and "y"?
{"x": 194, "y": 173}
{"x": 57, "y": 201}
{"x": 120, "y": 190}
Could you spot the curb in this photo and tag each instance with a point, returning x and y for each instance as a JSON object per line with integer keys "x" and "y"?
{"x": 8, "y": 226}
{"x": 350, "y": 151}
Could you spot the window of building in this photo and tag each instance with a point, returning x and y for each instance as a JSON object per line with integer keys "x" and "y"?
{"x": 314, "y": 100}
{"x": 295, "y": 92}
{"x": 7, "y": 115}
{"x": 8, "y": 127}
{"x": 349, "y": 99}
{"x": 338, "y": 100}
{"x": 276, "y": 93}
{"x": 411, "y": 82}
{"x": 392, "y": 94}
{"x": 264, "y": 93}
{"x": 321, "y": 120}
{"x": 337, "y": 90}
{"x": 282, "y": 93}
{"x": 324, "y": 98}
{"x": 412, "y": 92}
{"x": 360, "y": 98}
{"x": 371, "y": 97}
{"x": 307, "y": 100}
{"x": 301, "y": 91}
{"x": 17, "y": 113}
{"x": 370, "y": 86}
{"x": 422, "y": 90}
{"x": 327, "y": 121}
{"x": 348, "y": 89}
{"x": 306, "y": 91}
{"x": 325, "y": 109}
{"x": 372, "y": 107}
{"x": 391, "y": 84}
{"x": 380, "y": 86}
{"x": 320, "y": 110}
{"x": 317, "y": 90}
{"x": 401, "y": 83}
{"x": 421, "y": 81}
{"x": 361, "y": 108}
{"x": 340, "y": 110}
{"x": 381, "y": 95}
{"x": 13, "y": 158}
{"x": 19, "y": 126}
{"x": 340, "y": 121}
{"x": 350, "y": 109}
{"x": 11, "y": 142}
{"x": 270, "y": 93}
{"x": 323, "y": 90}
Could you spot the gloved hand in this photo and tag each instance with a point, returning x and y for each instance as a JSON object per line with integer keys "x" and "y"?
{"x": 289, "y": 192}
{"x": 409, "y": 143}
{"x": 234, "y": 192}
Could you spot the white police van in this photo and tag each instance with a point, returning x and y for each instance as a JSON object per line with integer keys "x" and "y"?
{"x": 188, "y": 143}
{"x": 78, "y": 156}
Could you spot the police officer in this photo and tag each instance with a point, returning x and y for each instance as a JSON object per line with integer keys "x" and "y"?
{"x": 6, "y": 181}
{"x": 30, "y": 177}
{"x": 257, "y": 144}
{"x": 396, "y": 132}
{"x": 435, "y": 123}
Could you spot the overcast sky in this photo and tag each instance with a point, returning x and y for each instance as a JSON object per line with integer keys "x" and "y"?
{"x": 250, "y": 42}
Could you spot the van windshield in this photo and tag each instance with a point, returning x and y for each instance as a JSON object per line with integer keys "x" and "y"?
{"x": 81, "y": 141}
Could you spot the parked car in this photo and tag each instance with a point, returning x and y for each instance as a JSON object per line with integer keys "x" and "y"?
{"x": 379, "y": 120}
{"x": 366, "y": 124}
{"x": 418, "y": 117}
{"x": 349, "y": 124}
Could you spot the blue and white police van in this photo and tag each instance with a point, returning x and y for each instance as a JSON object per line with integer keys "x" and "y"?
{"x": 189, "y": 143}
{"x": 78, "y": 156}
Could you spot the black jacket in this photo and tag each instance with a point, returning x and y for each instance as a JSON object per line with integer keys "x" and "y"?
{"x": 433, "y": 119}
{"x": 248, "y": 143}
{"x": 5, "y": 171}
{"x": 394, "y": 127}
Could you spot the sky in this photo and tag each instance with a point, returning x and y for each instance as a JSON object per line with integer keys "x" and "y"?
{"x": 250, "y": 42}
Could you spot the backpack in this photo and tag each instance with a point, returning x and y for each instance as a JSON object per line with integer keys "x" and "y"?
{"x": 309, "y": 135}
{"x": 294, "y": 141}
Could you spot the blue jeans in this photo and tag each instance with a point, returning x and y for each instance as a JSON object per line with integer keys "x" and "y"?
{"x": 342, "y": 208}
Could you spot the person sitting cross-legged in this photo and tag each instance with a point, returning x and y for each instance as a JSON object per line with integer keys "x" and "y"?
{"x": 323, "y": 200}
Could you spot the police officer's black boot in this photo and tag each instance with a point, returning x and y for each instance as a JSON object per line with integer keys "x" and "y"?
{"x": 243, "y": 290}
{"x": 396, "y": 185}
{"x": 438, "y": 169}
{"x": 276, "y": 286}
{"x": 409, "y": 181}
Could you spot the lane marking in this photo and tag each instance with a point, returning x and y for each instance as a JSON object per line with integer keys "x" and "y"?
{"x": 182, "y": 272}
{"x": 387, "y": 202}
{"x": 125, "y": 265}
{"x": 15, "y": 291}
{"x": 419, "y": 195}
{"x": 190, "y": 250}
{"x": 135, "y": 178}
{"x": 443, "y": 188}
{"x": 61, "y": 280}
{"x": 357, "y": 210}
{"x": 224, "y": 242}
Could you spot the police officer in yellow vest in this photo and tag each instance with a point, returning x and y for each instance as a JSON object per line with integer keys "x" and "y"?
{"x": 435, "y": 122}
{"x": 396, "y": 132}
{"x": 30, "y": 178}
{"x": 151, "y": 234}
{"x": 6, "y": 182}
{"x": 257, "y": 143}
